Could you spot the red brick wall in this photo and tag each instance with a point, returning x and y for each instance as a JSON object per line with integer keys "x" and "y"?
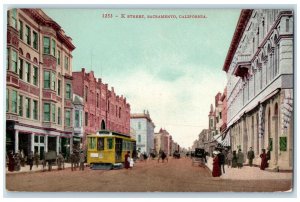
{"x": 110, "y": 115}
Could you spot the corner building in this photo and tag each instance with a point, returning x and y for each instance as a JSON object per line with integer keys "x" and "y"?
{"x": 38, "y": 83}
{"x": 259, "y": 67}
{"x": 103, "y": 109}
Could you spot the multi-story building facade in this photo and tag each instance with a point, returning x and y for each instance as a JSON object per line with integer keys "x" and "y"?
{"x": 163, "y": 142}
{"x": 39, "y": 83}
{"x": 103, "y": 109}
{"x": 259, "y": 67}
{"x": 144, "y": 129}
{"x": 218, "y": 113}
{"x": 78, "y": 117}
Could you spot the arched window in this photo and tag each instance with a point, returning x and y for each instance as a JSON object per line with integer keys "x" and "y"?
{"x": 103, "y": 125}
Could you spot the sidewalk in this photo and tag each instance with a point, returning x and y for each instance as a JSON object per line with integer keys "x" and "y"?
{"x": 249, "y": 173}
{"x": 35, "y": 169}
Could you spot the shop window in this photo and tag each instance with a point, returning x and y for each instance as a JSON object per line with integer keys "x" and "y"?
{"x": 42, "y": 139}
{"x": 283, "y": 143}
{"x": 36, "y": 139}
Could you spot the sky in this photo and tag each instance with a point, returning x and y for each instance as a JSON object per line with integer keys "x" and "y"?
{"x": 170, "y": 67}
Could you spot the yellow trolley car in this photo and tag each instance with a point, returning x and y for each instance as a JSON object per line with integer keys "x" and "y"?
{"x": 107, "y": 149}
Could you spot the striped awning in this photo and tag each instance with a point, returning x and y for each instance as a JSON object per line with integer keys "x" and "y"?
{"x": 226, "y": 141}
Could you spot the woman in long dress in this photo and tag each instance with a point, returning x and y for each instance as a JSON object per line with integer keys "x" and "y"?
{"x": 216, "y": 172}
{"x": 234, "y": 159}
{"x": 264, "y": 160}
{"x": 127, "y": 160}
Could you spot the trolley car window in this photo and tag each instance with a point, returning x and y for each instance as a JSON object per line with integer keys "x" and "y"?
{"x": 101, "y": 143}
{"x": 109, "y": 143}
{"x": 92, "y": 142}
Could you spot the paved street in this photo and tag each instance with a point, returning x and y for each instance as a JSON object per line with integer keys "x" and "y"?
{"x": 174, "y": 176}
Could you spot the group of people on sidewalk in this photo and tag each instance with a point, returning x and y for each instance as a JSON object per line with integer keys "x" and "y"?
{"x": 233, "y": 160}
{"x": 18, "y": 160}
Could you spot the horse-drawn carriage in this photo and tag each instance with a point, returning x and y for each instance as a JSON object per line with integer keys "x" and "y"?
{"x": 50, "y": 158}
{"x": 199, "y": 157}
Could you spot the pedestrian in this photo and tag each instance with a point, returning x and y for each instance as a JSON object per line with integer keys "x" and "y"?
{"x": 216, "y": 172}
{"x": 229, "y": 158}
{"x": 30, "y": 159}
{"x": 268, "y": 156}
{"x": 82, "y": 159}
{"x": 221, "y": 158}
{"x": 240, "y": 159}
{"x": 131, "y": 163}
{"x": 17, "y": 164}
{"x": 127, "y": 159}
{"x": 73, "y": 161}
{"x": 264, "y": 161}
{"x": 11, "y": 162}
{"x": 234, "y": 159}
{"x": 60, "y": 161}
{"x": 36, "y": 159}
{"x": 22, "y": 158}
{"x": 163, "y": 156}
{"x": 250, "y": 156}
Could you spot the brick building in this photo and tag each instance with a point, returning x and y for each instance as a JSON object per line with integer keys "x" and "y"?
{"x": 103, "y": 109}
{"x": 39, "y": 83}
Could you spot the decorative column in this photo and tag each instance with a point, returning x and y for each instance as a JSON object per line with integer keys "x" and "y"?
{"x": 32, "y": 142}
{"x": 46, "y": 143}
{"x": 57, "y": 144}
{"x": 71, "y": 145}
{"x": 16, "y": 141}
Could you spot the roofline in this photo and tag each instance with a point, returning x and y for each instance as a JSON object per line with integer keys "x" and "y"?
{"x": 237, "y": 36}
